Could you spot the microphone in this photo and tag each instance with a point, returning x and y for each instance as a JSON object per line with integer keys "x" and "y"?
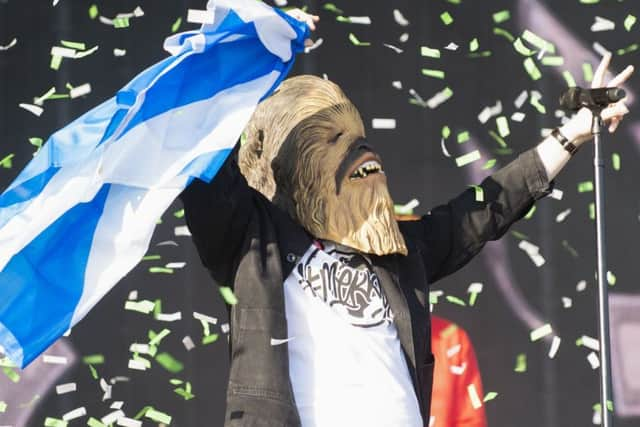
{"x": 575, "y": 98}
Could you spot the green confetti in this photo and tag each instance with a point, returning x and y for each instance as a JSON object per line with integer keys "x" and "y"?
{"x": 521, "y": 363}
{"x": 121, "y": 22}
{"x": 332, "y": 8}
{"x": 568, "y": 77}
{"x": 36, "y": 142}
{"x": 56, "y": 60}
{"x": 455, "y": 1}
{"x": 228, "y": 295}
{"x": 474, "y": 45}
{"x": 169, "y": 363}
{"x": 446, "y": 132}
{"x": 629, "y": 22}
{"x": 538, "y": 42}
{"x": 521, "y": 48}
{"x": 93, "y": 11}
{"x": 463, "y": 137}
{"x": 449, "y": 330}
{"x": 552, "y": 61}
{"x": 585, "y": 187}
{"x": 503, "y": 33}
{"x": 490, "y": 396}
{"x": 534, "y": 100}
{"x": 92, "y": 422}
{"x": 615, "y": 161}
{"x": 54, "y": 422}
{"x": 498, "y": 139}
{"x": 589, "y": 1}
{"x": 456, "y": 300}
{"x": 11, "y": 374}
{"x": 503, "y": 126}
{"x": 176, "y": 25}
{"x": 93, "y": 359}
{"x": 3, "y": 406}
{"x": 142, "y": 411}
{"x": 73, "y": 45}
{"x": 611, "y": 278}
{"x": 243, "y": 138}
{"x": 157, "y": 416}
{"x": 154, "y": 339}
{"x": 433, "y": 297}
{"x": 479, "y": 193}
{"x": 208, "y": 339}
{"x": 482, "y": 54}
{"x": 628, "y": 49}
{"x": 93, "y": 371}
{"x": 531, "y": 212}
{"x": 518, "y": 235}
{"x": 490, "y": 163}
{"x": 592, "y": 211}
{"x": 160, "y": 270}
{"x": 587, "y": 72}
{"x": 501, "y": 16}
{"x": 532, "y": 69}
{"x": 179, "y": 214}
{"x": 7, "y": 162}
{"x": 186, "y": 394}
{"x": 438, "y": 74}
{"x": 468, "y": 158}
{"x": 446, "y": 18}
{"x": 151, "y": 257}
{"x": 429, "y": 52}
{"x": 570, "y": 249}
{"x": 354, "y": 40}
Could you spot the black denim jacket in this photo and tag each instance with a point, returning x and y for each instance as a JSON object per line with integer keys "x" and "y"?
{"x": 248, "y": 243}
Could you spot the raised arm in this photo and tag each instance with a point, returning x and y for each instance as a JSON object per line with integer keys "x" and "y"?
{"x": 451, "y": 234}
{"x": 217, "y": 214}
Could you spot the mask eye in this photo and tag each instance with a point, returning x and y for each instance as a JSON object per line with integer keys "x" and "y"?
{"x": 335, "y": 138}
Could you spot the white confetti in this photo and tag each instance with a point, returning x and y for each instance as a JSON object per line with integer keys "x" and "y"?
{"x": 383, "y": 123}
{"x": 439, "y": 98}
{"x": 205, "y": 318}
{"x": 176, "y": 265}
{"x": 117, "y": 404}
{"x": 119, "y": 52}
{"x": 76, "y": 413}
{"x": 66, "y": 388}
{"x": 81, "y": 90}
{"x": 182, "y": 230}
{"x": 590, "y": 342}
{"x": 397, "y": 84}
{"x": 540, "y": 332}
{"x": 452, "y": 47}
{"x": 54, "y": 360}
{"x": 555, "y": 345}
{"x": 64, "y": 52}
{"x": 593, "y": 360}
{"x": 399, "y": 18}
{"x": 454, "y": 350}
{"x": 314, "y": 46}
{"x": 169, "y": 317}
{"x": 188, "y": 343}
{"x": 129, "y": 422}
{"x": 473, "y": 395}
{"x": 458, "y": 370}
{"x": 488, "y": 112}
{"x": 139, "y": 348}
{"x": 563, "y": 215}
{"x": 200, "y": 16}
{"x": 533, "y": 251}
{"x": 475, "y": 288}
{"x": 394, "y": 48}
{"x": 404, "y": 37}
{"x": 602, "y": 24}
{"x": 32, "y": 109}
{"x": 168, "y": 243}
{"x": 133, "y": 295}
{"x": 556, "y": 194}
{"x": 280, "y": 3}
{"x": 521, "y": 99}
{"x": 276, "y": 341}
{"x": 11, "y": 44}
{"x": 224, "y": 328}
{"x": 518, "y": 116}
{"x": 363, "y": 20}
{"x": 136, "y": 364}
{"x": 581, "y": 286}
{"x": 567, "y": 302}
{"x": 112, "y": 417}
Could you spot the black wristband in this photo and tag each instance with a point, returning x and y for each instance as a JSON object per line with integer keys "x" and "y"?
{"x": 566, "y": 144}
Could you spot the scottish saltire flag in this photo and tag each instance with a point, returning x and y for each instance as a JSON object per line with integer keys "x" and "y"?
{"x": 81, "y": 214}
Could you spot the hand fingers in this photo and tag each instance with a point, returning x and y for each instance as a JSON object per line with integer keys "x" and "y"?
{"x": 308, "y": 43}
{"x": 598, "y": 76}
{"x": 305, "y": 17}
{"x": 617, "y": 110}
{"x": 614, "y": 124}
{"x": 622, "y": 77}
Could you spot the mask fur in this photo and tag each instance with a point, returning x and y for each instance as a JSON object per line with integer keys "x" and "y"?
{"x": 296, "y": 144}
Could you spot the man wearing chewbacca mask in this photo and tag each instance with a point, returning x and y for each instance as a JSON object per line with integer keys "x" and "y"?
{"x": 331, "y": 327}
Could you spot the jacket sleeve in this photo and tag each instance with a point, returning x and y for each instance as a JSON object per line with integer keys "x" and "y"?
{"x": 217, "y": 214}
{"x": 452, "y": 234}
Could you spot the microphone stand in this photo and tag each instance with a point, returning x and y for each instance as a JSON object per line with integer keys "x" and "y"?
{"x": 603, "y": 291}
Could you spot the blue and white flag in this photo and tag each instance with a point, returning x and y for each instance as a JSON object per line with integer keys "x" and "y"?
{"x": 80, "y": 216}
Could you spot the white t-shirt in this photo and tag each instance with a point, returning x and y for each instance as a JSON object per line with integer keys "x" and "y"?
{"x": 345, "y": 361}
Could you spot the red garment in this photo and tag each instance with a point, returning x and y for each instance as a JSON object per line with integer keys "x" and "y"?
{"x": 450, "y": 400}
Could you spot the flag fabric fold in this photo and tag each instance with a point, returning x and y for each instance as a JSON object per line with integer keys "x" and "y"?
{"x": 81, "y": 214}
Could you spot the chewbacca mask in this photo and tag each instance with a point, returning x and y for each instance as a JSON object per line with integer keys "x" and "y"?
{"x": 305, "y": 149}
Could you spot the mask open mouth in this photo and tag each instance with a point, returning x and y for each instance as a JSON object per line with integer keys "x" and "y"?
{"x": 366, "y": 168}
